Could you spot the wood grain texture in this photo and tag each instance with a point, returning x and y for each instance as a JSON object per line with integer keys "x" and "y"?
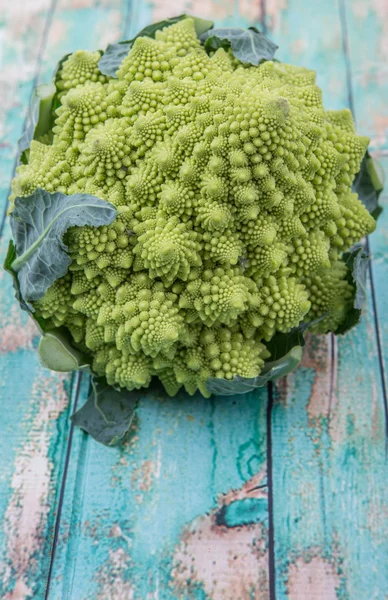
{"x": 34, "y": 401}
{"x": 367, "y": 49}
{"x": 172, "y": 513}
{"x": 190, "y": 506}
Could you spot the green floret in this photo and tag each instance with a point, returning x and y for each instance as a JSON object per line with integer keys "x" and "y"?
{"x": 47, "y": 169}
{"x": 167, "y": 248}
{"x": 146, "y": 59}
{"x": 131, "y": 371}
{"x": 354, "y": 222}
{"x": 82, "y": 108}
{"x": 79, "y": 69}
{"x": 181, "y": 37}
{"x": 217, "y": 296}
{"x": 232, "y": 186}
{"x": 330, "y": 294}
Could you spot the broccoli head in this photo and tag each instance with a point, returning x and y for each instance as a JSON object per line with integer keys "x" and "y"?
{"x": 234, "y": 205}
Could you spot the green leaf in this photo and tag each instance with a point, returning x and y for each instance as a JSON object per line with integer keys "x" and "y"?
{"x": 357, "y": 260}
{"x": 9, "y": 259}
{"x": 248, "y": 45}
{"x": 115, "y": 53}
{"x": 113, "y": 57}
{"x": 39, "y": 119}
{"x": 57, "y": 353}
{"x": 107, "y": 414}
{"x": 368, "y": 184}
{"x": 38, "y": 223}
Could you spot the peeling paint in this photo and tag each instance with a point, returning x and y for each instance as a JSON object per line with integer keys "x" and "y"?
{"x": 26, "y": 514}
{"x": 255, "y": 487}
{"x": 17, "y": 335}
{"x": 226, "y": 550}
{"x": 243, "y": 512}
{"x": 142, "y": 477}
{"x": 274, "y": 11}
{"x": 316, "y": 579}
{"x": 21, "y": 17}
{"x": 320, "y": 354}
{"x": 111, "y": 577}
{"x": 229, "y": 563}
{"x": 216, "y": 10}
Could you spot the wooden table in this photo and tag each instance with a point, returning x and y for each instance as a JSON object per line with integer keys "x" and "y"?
{"x": 282, "y": 493}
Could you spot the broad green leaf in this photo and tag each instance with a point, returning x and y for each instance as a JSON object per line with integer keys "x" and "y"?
{"x": 357, "y": 261}
{"x": 57, "y": 353}
{"x": 115, "y": 53}
{"x": 368, "y": 184}
{"x": 39, "y": 119}
{"x": 9, "y": 259}
{"x": 107, "y": 414}
{"x": 113, "y": 57}
{"x": 38, "y": 223}
{"x": 250, "y": 46}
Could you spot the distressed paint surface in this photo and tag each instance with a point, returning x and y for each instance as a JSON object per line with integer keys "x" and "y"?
{"x": 328, "y": 420}
{"x": 192, "y": 506}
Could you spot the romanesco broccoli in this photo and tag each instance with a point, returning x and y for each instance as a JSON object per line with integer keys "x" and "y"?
{"x": 233, "y": 193}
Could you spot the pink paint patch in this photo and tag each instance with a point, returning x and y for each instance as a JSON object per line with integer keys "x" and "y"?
{"x": 31, "y": 484}
{"x": 219, "y": 10}
{"x": 320, "y": 354}
{"x": 316, "y": 579}
{"x": 143, "y": 476}
{"x": 250, "y": 10}
{"x": 111, "y": 577}
{"x": 230, "y": 563}
{"x": 16, "y": 336}
{"x": 274, "y": 8}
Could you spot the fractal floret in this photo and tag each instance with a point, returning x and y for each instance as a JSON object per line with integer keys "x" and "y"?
{"x": 232, "y": 189}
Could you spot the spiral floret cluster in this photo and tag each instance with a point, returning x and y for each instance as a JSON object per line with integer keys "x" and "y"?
{"x": 233, "y": 191}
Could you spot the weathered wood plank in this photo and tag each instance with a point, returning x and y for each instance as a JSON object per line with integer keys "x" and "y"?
{"x": 367, "y": 27}
{"x": 35, "y": 424}
{"x": 328, "y": 450}
{"x": 34, "y": 415}
{"x": 181, "y": 510}
{"x": 170, "y": 514}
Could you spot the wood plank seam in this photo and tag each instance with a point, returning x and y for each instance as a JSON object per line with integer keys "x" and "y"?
{"x": 263, "y": 13}
{"x": 378, "y": 341}
{"x": 127, "y": 19}
{"x": 345, "y": 45}
{"x": 63, "y": 487}
{"x": 333, "y": 362}
{"x": 271, "y": 532}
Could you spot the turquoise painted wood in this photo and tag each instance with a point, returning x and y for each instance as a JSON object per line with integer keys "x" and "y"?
{"x": 279, "y": 494}
{"x": 328, "y": 419}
